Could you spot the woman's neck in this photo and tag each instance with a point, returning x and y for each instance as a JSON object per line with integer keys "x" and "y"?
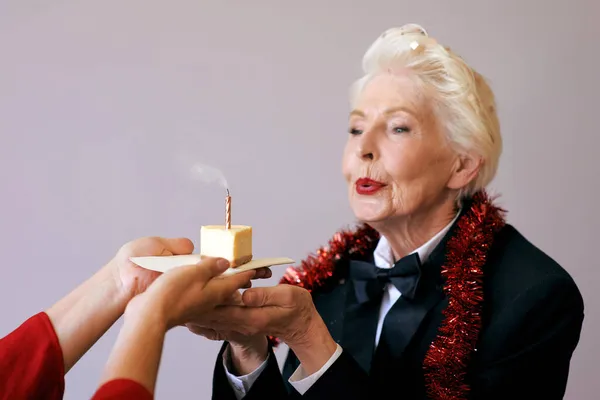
{"x": 407, "y": 233}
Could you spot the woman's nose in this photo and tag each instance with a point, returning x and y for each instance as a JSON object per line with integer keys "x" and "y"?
{"x": 367, "y": 147}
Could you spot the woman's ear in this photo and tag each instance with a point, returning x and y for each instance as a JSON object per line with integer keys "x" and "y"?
{"x": 466, "y": 168}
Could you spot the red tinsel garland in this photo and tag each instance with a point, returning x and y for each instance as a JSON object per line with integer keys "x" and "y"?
{"x": 466, "y": 253}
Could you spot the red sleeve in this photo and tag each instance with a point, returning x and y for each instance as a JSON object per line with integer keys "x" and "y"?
{"x": 31, "y": 362}
{"x": 122, "y": 389}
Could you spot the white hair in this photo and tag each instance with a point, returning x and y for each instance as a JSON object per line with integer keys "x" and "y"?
{"x": 464, "y": 103}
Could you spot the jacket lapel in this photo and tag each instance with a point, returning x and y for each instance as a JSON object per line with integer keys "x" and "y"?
{"x": 331, "y": 305}
{"x": 351, "y": 325}
{"x": 360, "y": 326}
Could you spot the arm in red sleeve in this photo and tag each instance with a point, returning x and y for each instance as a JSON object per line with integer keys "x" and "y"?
{"x": 122, "y": 389}
{"x": 31, "y": 362}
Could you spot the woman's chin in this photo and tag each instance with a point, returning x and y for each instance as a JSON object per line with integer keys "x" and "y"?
{"x": 370, "y": 209}
{"x": 370, "y": 215}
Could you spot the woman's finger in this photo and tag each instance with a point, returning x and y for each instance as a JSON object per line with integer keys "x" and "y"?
{"x": 263, "y": 273}
{"x": 228, "y": 285}
{"x": 177, "y": 245}
{"x": 235, "y": 299}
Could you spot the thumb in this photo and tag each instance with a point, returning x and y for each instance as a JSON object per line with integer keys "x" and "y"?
{"x": 229, "y": 285}
{"x": 209, "y": 267}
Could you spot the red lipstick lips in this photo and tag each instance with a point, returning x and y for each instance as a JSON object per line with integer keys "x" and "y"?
{"x": 366, "y": 186}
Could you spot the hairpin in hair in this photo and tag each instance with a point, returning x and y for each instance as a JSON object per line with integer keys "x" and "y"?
{"x": 413, "y": 28}
{"x": 406, "y": 29}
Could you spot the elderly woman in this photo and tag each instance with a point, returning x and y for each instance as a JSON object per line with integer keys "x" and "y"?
{"x": 433, "y": 295}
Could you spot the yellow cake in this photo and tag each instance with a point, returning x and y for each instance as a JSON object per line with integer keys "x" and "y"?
{"x": 234, "y": 244}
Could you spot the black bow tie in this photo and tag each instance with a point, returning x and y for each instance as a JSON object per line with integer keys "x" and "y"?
{"x": 370, "y": 281}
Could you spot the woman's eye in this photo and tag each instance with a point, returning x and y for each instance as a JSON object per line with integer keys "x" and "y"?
{"x": 401, "y": 129}
{"x": 354, "y": 131}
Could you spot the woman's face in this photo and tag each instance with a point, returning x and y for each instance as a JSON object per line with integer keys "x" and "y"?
{"x": 397, "y": 162}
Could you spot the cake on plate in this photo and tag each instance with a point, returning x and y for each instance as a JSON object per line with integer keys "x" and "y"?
{"x": 234, "y": 243}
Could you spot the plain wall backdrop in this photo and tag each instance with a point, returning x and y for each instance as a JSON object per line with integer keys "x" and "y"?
{"x": 105, "y": 105}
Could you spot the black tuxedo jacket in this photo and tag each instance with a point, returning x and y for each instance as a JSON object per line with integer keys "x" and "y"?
{"x": 532, "y": 319}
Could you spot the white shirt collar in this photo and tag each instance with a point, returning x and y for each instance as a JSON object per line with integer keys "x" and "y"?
{"x": 384, "y": 258}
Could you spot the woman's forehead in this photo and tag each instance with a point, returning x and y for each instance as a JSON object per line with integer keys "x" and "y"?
{"x": 391, "y": 93}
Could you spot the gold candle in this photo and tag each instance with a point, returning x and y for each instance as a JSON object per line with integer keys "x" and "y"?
{"x": 228, "y": 211}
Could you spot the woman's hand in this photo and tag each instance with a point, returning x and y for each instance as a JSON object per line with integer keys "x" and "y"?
{"x": 85, "y": 314}
{"x": 183, "y": 294}
{"x": 284, "y": 311}
{"x": 174, "y": 298}
{"x": 247, "y": 352}
{"x": 132, "y": 279}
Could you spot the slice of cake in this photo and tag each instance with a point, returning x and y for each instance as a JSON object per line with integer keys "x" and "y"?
{"x": 234, "y": 244}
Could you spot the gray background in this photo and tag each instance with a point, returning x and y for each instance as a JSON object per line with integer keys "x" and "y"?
{"x": 104, "y": 106}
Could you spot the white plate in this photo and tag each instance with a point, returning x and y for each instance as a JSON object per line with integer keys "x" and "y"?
{"x": 165, "y": 263}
